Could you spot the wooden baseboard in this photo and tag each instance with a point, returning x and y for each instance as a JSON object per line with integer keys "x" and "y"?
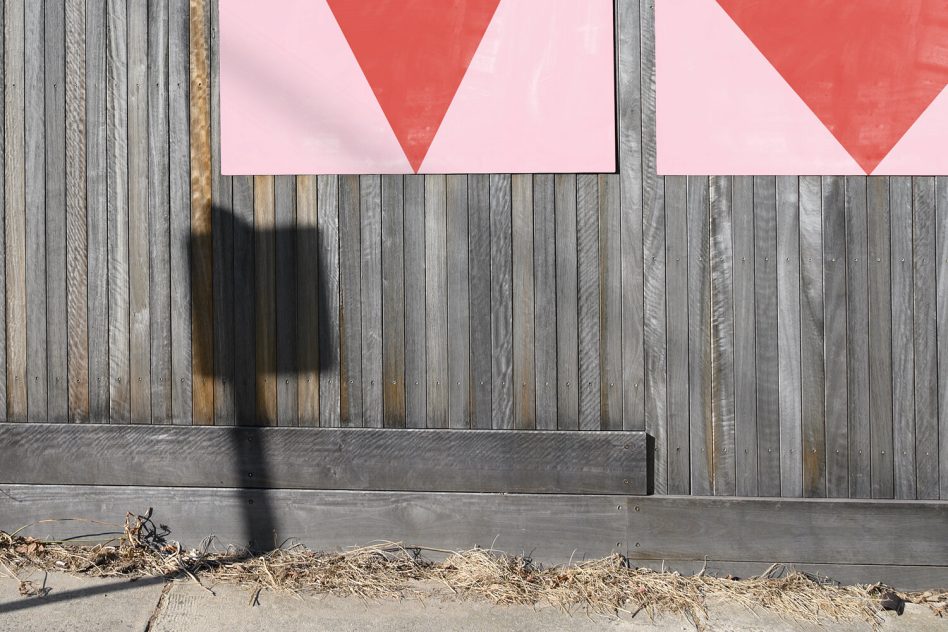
{"x": 900, "y": 543}
{"x": 325, "y": 458}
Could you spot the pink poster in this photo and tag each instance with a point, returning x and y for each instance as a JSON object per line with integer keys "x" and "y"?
{"x": 417, "y": 86}
{"x": 797, "y": 87}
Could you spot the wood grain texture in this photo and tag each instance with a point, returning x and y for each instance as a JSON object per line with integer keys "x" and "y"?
{"x": 590, "y": 293}
{"x": 524, "y": 304}
{"x": 159, "y": 204}
{"x": 286, "y": 374}
{"x": 610, "y": 310}
{"x": 544, "y": 269}
{"x": 836, "y": 394}
{"x": 118, "y": 212}
{"x": 903, "y": 338}
{"x": 722, "y": 336}
{"x": 880, "y": 339}
{"x": 676, "y": 297}
{"x": 222, "y": 203}
{"x": 329, "y": 458}
{"x": 416, "y": 407}
{"x": 567, "y": 304}
{"x": 629, "y": 69}
{"x": 55, "y": 241}
{"x": 179, "y": 212}
{"x": 478, "y": 205}
{"x": 813, "y": 409}
{"x": 202, "y": 256}
{"x": 3, "y": 350}
{"x": 350, "y": 305}
{"x": 245, "y": 335}
{"x": 265, "y": 299}
{"x": 941, "y": 310}
{"x": 924, "y": 257}
{"x": 459, "y": 304}
{"x": 77, "y": 286}
{"x": 699, "y": 335}
{"x": 501, "y": 303}
{"x": 436, "y": 301}
{"x": 328, "y": 235}
{"x": 788, "y": 336}
{"x": 138, "y": 242}
{"x": 35, "y": 186}
{"x": 766, "y": 340}
{"x": 745, "y": 326}
{"x": 308, "y": 288}
{"x": 373, "y": 328}
{"x": 14, "y": 202}
{"x": 857, "y": 337}
{"x": 561, "y": 527}
{"x": 393, "y": 301}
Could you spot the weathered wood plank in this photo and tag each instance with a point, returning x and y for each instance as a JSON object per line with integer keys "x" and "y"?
{"x": 501, "y": 306}
{"x": 589, "y": 262}
{"x": 436, "y": 301}
{"x": 77, "y": 286}
{"x": 788, "y": 335}
{"x": 393, "y": 301}
{"x": 794, "y": 531}
{"x": 813, "y": 409}
{"x": 745, "y": 326}
{"x": 222, "y": 196}
{"x": 765, "y": 317}
{"x": 561, "y": 527}
{"x": 328, "y": 458}
{"x": 610, "y": 312}
{"x": 138, "y": 177}
{"x": 857, "y": 336}
{"x": 35, "y": 185}
{"x": 903, "y": 339}
{"x": 567, "y": 304}
{"x": 723, "y": 464}
{"x": 925, "y": 324}
{"x": 14, "y": 202}
{"x": 372, "y": 325}
{"x": 544, "y": 266}
{"x": 350, "y": 303}
{"x": 179, "y": 207}
{"x": 3, "y": 349}
{"x": 308, "y": 302}
{"x": 524, "y": 305}
{"x": 416, "y": 407}
{"x": 478, "y": 204}
{"x": 654, "y": 340}
{"x": 676, "y": 297}
{"x": 117, "y": 176}
{"x": 245, "y": 353}
{"x": 284, "y": 225}
{"x": 54, "y": 37}
{"x": 941, "y": 311}
{"x": 630, "y": 223}
{"x": 159, "y": 221}
{"x": 328, "y": 253}
{"x": 835, "y": 340}
{"x": 265, "y": 299}
{"x": 880, "y": 339}
{"x": 459, "y": 304}
{"x": 699, "y": 335}
{"x": 202, "y": 261}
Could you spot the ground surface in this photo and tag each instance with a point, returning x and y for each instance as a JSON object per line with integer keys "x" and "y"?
{"x": 73, "y": 604}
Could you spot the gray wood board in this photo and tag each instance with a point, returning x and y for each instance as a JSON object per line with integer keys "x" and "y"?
{"x": 325, "y": 458}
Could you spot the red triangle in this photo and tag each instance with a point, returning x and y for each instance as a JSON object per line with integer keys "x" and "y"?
{"x": 867, "y": 69}
{"x": 414, "y": 54}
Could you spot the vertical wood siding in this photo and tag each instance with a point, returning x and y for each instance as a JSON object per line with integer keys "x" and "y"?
{"x": 779, "y": 336}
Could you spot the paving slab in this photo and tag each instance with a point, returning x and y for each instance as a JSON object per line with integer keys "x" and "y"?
{"x": 73, "y": 604}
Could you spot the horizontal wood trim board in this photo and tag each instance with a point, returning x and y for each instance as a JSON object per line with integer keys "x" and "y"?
{"x": 325, "y": 458}
{"x": 901, "y": 541}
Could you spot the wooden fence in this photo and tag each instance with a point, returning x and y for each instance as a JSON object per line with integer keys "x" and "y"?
{"x": 775, "y": 336}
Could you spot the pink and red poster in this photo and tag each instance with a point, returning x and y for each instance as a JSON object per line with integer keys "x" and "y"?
{"x": 426, "y": 86}
{"x": 796, "y": 87}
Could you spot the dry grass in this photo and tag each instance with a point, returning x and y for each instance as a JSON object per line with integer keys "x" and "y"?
{"x": 388, "y": 570}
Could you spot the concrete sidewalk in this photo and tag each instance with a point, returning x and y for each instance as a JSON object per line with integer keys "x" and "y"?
{"x": 73, "y": 604}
